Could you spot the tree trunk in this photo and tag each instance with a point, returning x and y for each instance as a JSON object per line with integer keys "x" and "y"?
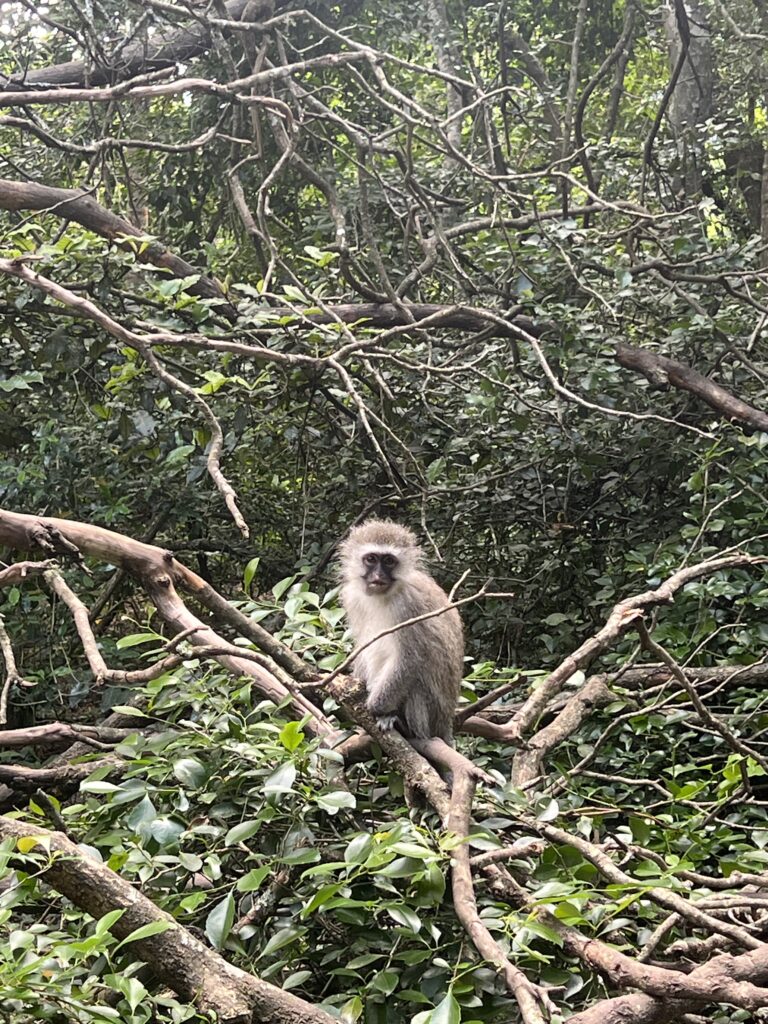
{"x": 691, "y": 102}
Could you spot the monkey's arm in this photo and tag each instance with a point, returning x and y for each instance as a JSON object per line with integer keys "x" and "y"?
{"x": 386, "y": 695}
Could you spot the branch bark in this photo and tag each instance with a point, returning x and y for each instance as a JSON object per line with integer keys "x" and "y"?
{"x": 178, "y": 959}
{"x": 167, "y": 48}
{"x": 622, "y": 616}
{"x": 535, "y": 1005}
{"x": 74, "y": 204}
{"x": 662, "y": 372}
{"x": 159, "y": 573}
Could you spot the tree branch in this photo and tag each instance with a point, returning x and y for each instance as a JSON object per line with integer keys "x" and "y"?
{"x": 662, "y": 371}
{"x": 181, "y": 961}
{"x": 159, "y": 573}
{"x": 74, "y": 204}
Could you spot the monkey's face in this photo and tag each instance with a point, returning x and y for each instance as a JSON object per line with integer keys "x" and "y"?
{"x": 379, "y": 571}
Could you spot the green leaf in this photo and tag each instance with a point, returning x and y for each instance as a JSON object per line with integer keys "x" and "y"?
{"x": 25, "y": 844}
{"x": 105, "y": 923}
{"x": 549, "y": 812}
{"x": 249, "y": 573}
{"x": 386, "y": 982}
{"x": 358, "y": 849}
{"x": 134, "y": 992}
{"x": 98, "y": 786}
{"x": 280, "y": 939}
{"x": 146, "y": 931}
{"x": 400, "y": 867}
{"x": 352, "y": 1010}
{"x": 334, "y": 802}
{"x": 180, "y": 454}
{"x": 281, "y": 780}
{"x": 251, "y": 881}
{"x": 190, "y": 772}
{"x": 301, "y": 857}
{"x": 321, "y": 897}
{"x": 291, "y": 735}
{"x": 280, "y": 588}
{"x": 191, "y": 861}
{"x": 296, "y": 979}
{"x": 241, "y": 832}
{"x": 447, "y": 1011}
{"x": 134, "y": 639}
{"x": 412, "y": 850}
{"x": 21, "y": 381}
{"x": 128, "y": 710}
{"x": 219, "y": 922}
{"x": 431, "y": 888}
{"x": 144, "y": 811}
{"x": 165, "y": 831}
{"x": 406, "y": 917}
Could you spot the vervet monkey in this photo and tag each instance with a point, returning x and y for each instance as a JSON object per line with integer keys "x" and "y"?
{"x": 413, "y": 675}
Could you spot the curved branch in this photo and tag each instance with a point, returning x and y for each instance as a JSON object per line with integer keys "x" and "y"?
{"x": 159, "y": 573}
{"x": 662, "y": 371}
{"x": 74, "y": 204}
{"x": 623, "y": 615}
{"x": 17, "y": 268}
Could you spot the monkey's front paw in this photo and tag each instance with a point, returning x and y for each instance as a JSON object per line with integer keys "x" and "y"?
{"x": 386, "y": 722}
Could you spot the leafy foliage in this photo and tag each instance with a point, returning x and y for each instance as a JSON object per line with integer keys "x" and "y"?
{"x": 567, "y": 481}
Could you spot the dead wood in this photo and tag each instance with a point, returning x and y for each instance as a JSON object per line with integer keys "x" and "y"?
{"x": 62, "y": 777}
{"x": 162, "y": 50}
{"x": 55, "y": 734}
{"x": 159, "y": 573}
{"x": 535, "y": 1005}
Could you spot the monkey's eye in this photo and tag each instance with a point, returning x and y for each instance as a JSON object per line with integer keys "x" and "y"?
{"x": 388, "y": 561}
{"x": 370, "y": 559}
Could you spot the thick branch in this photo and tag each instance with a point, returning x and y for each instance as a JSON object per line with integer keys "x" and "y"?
{"x": 662, "y": 371}
{"x": 57, "y": 733}
{"x": 179, "y": 960}
{"x": 387, "y": 314}
{"x": 66, "y": 777}
{"x": 159, "y": 572}
{"x": 532, "y": 999}
{"x": 351, "y": 694}
{"x": 164, "y": 50}
{"x": 622, "y": 616}
{"x": 714, "y": 978}
{"x": 528, "y": 763}
{"x": 73, "y": 204}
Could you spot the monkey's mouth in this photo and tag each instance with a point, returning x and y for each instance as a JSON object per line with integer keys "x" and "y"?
{"x": 379, "y": 586}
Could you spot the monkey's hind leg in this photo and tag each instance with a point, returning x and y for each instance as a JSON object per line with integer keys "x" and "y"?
{"x": 445, "y": 757}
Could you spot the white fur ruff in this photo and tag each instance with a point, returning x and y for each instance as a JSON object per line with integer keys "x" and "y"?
{"x": 368, "y": 615}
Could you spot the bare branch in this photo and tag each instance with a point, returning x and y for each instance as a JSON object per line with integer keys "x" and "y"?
{"x": 662, "y": 371}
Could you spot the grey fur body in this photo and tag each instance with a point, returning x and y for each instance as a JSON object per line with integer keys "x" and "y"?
{"x": 414, "y": 673}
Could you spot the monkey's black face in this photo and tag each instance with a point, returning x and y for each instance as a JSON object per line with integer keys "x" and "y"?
{"x": 379, "y": 571}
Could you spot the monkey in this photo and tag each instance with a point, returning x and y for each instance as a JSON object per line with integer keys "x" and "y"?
{"x": 413, "y": 675}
